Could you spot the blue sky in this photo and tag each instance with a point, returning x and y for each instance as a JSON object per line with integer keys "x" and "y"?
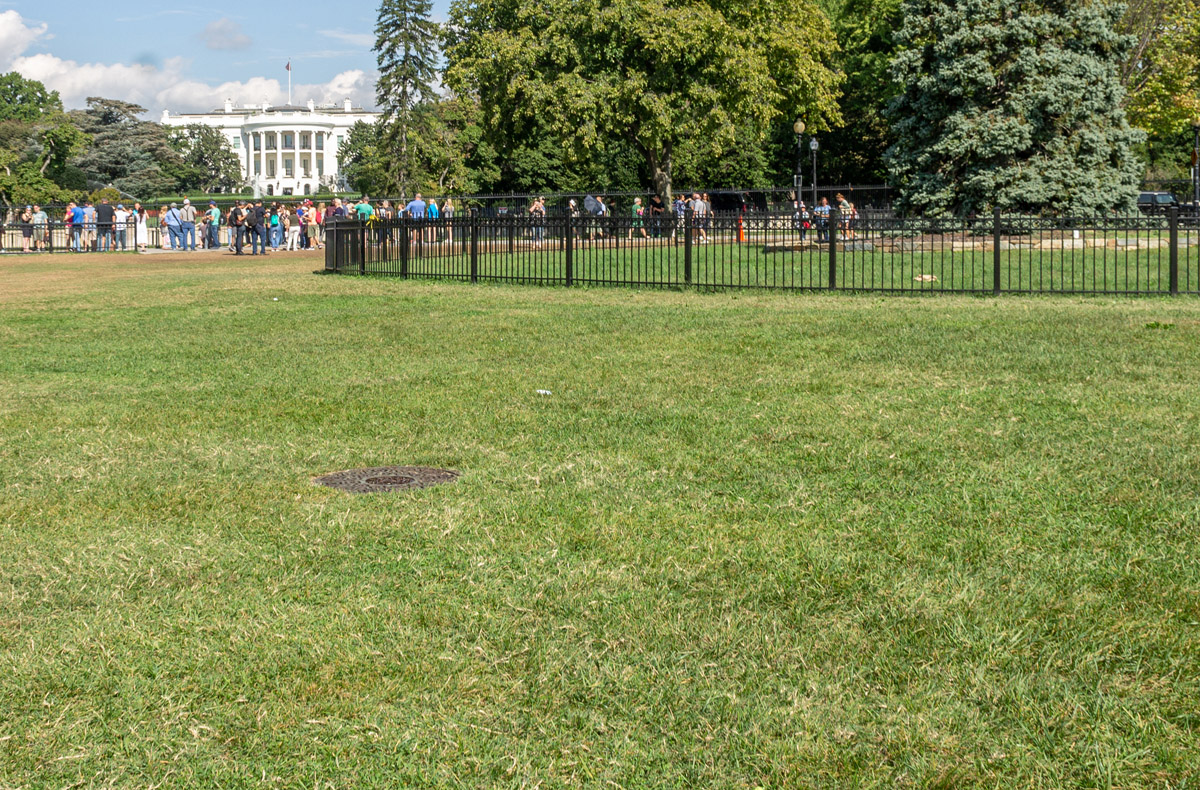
{"x": 178, "y": 57}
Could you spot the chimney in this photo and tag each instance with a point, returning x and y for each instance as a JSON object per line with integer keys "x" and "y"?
{"x": 166, "y": 116}
{"x": 347, "y": 106}
{"x": 311, "y": 105}
{"x": 228, "y": 106}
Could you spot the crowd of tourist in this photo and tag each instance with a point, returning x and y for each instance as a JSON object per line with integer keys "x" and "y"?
{"x": 301, "y": 225}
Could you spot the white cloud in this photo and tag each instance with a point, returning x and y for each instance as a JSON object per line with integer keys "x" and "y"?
{"x": 159, "y": 87}
{"x": 225, "y": 34}
{"x": 16, "y": 37}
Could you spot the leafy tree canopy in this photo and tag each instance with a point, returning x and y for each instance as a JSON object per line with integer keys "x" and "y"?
{"x": 651, "y": 72}
{"x": 132, "y": 155}
{"x": 209, "y": 162}
{"x": 26, "y": 100}
{"x": 1012, "y": 103}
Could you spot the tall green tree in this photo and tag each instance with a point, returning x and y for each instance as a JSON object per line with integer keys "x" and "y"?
{"x": 209, "y": 163}
{"x": 406, "y": 47}
{"x": 26, "y": 100}
{"x": 652, "y": 73}
{"x": 1012, "y": 103}
{"x": 133, "y": 155}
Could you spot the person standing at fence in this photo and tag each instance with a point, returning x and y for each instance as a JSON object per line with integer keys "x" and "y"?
{"x": 174, "y": 223}
{"x": 678, "y": 211}
{"x": 104, "y": 224}
{"x": 448, "y": 216}
{"x": 89, "y": 226}
{"x": 800, "y": 218}
{"x": 120, "y": 226}
{"x": 214, "y": 225}
{"x": 363, "y": 209}
{"x": 656, "y": 209}
{"x": 637, "y": 214}
{"x": 187, "y": 226}
{"x": 72, "y": 227}
{"x": 26, "y": 222}
{"x": 537, "y": 221}
{"x": 821, "y": 213}
{"x": 238, "y": 217}
{"x": 41, "y": 224}
{"x": 141, "y": 230}
{"x": 699, "y": 212}
{"x": 293, "y": 228}
{"x": 312, "y": 228}
{"x": 258, "y": 241}
{"x": 433, "y": 214}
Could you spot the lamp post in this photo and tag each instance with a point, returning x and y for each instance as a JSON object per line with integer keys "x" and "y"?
{"x": 1196, "y": 167}
{"x": 797, "y": 178}
{"x": 813, "y": 145}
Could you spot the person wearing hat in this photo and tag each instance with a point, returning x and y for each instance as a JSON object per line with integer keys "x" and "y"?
{"x": 187, "y": 221}
{"x": 121, "y": 219}
{"x": 174, "y": 224}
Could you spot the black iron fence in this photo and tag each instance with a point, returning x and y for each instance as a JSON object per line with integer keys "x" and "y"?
{"x": 54, "y": 236}
{"x": 994, "y": 254}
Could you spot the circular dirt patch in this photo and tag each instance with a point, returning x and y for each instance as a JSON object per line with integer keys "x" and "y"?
{"x": 386, "y": 478}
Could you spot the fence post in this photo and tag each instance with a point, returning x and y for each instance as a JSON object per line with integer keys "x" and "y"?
{"x": 512, "y": 231}
{"x": 568, "y": 244}
{"x": 995, "y": 250}
{"x": 688, "y": 217}
{"x": 405, "y": 244}
{"x": 835, "y": 219}
{"x": 1173, "y": 249}
{"x": 362, "y": 247}
{"x": 474, "y": 245}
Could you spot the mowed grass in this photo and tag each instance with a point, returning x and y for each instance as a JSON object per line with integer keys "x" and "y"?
{"x": 861, "y": 265}
{"x": 749, "y": 540}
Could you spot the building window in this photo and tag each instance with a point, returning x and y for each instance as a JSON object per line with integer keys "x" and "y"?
{"x": 257, "y": 142}
{"x": 237, "y": 143}
{"x": 287, "y": 167}
{"x": 320, "y": 166}
{"x": 289, "y": 140}
{"x": 305, "y": 140}
{"x": 270, "y": 189}
{"x": 320, "y": 142}
{"x": 339, "y": 141}
{"x": 258, "y": 167}
{"x": 270, "y": 141}
{"x": 308, "y": 189}
{"x": 271, "y": 167}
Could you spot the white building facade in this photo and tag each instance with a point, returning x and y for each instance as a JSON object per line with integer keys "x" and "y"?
{"x": 283, "y": 150}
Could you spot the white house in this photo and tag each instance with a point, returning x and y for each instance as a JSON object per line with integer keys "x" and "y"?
{"x": 283, "y": 150}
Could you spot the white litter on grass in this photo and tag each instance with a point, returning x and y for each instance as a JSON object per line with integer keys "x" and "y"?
{"x": 926, "y": 278}
{"x": 275, "y": 299}
{"x": 543, "y": 392}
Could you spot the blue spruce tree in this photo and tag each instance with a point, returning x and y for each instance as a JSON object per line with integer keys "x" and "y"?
{"x": 1012, "y": 103}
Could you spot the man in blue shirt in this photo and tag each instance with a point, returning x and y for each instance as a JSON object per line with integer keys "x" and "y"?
{"x": 416, "y": 207}
{"x": 174, "y": 226}
{"x": 76, "y": 226}
{"x": 89, "y": 226}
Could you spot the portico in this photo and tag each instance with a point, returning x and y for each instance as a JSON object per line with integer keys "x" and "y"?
{"x": 283, "y": 150}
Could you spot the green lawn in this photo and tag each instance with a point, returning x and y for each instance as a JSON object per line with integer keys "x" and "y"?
{"x": 749, "y": 540}
{"x": 863, "y": 264}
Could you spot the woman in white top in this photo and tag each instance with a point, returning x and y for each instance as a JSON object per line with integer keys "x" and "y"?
{"x": 293, "y": 231}
{"x": 141, "y": 233}
{"x": 448, "y": 215}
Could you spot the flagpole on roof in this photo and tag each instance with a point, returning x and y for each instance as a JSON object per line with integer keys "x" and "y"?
{"x": 289, "y": 71}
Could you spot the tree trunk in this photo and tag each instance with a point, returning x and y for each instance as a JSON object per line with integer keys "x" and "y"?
{"x": 659, "y": 163}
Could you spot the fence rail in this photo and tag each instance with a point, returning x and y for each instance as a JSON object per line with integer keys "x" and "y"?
{"x": 994, "y": 254}
{"x": 57, "y": 236}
